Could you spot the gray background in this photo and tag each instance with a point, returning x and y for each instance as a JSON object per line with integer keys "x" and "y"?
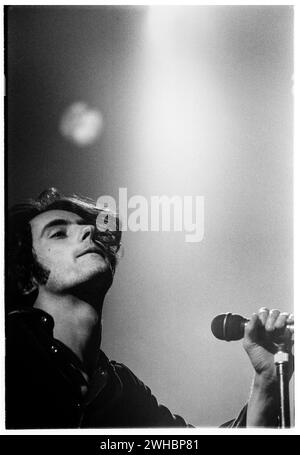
{"x": 196, "y": 101}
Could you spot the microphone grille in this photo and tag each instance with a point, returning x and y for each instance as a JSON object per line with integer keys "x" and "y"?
{"x": 228, "y": 327}
{"x": 217, "y": 326}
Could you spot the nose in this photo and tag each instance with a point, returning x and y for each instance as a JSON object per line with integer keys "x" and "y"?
{"x": 87, "y": 232}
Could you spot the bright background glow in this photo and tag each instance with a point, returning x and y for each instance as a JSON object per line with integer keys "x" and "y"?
{"x": 195, "y": 101}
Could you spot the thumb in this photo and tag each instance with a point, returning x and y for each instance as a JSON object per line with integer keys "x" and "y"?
{"x": 251, "y": 328}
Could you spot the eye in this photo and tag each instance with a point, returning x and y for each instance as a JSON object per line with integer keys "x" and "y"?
{"x": 58, "y": 234}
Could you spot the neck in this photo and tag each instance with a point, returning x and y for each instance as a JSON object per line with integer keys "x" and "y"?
{"x": 77, "y": 324}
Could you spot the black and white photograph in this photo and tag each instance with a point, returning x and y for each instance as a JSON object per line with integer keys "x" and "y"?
{"x": 149, "y": 279}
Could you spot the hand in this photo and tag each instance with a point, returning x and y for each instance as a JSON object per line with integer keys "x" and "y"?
{"x": 261, "y": 334}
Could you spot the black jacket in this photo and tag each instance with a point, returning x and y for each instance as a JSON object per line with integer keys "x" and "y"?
{"x": 44, "y": 384}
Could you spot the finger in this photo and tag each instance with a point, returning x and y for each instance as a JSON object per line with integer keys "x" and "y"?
{"x": 281, "y": 321}
{"x": 290, "y": 320}
{"x": 271, "y": 320}
{"x": 263, "y": 314}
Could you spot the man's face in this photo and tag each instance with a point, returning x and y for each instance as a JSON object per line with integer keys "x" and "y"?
{"x": 63, "y": 244}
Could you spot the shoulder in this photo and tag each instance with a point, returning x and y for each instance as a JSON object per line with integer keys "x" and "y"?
{"x": 126, "y": 374}
{"x": 139, "y": 400}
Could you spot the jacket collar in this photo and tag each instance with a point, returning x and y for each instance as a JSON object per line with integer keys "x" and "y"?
{"x": 38, "y": 317}
{"x": 34, "y": 316}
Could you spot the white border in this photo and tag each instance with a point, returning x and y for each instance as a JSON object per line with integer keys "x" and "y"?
{"x": 181, "y": 431}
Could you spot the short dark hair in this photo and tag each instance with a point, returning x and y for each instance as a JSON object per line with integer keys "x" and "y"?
{"x": 22, "y": 265}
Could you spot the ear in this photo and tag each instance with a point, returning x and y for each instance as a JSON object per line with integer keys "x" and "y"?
{"x": 30, "y": 287}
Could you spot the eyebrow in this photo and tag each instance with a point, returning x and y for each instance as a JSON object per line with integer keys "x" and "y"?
{"x": 61, "y": 222}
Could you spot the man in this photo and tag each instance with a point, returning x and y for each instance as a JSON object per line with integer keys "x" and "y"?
{"x": 61, "y": 263}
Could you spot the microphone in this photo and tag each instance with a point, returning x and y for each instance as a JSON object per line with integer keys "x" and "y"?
{"x": 231, "y": 327}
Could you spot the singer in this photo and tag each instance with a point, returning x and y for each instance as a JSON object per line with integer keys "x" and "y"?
{"x": 60, "y": 266}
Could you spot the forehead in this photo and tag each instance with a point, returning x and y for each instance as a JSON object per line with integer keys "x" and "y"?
{"x": 40, "y": 221}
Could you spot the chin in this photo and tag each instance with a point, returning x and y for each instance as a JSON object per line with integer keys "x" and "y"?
{"x": 99, "y": 272}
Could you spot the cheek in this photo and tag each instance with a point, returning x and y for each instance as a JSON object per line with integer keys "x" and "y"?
{"x": 52, "y": 258}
